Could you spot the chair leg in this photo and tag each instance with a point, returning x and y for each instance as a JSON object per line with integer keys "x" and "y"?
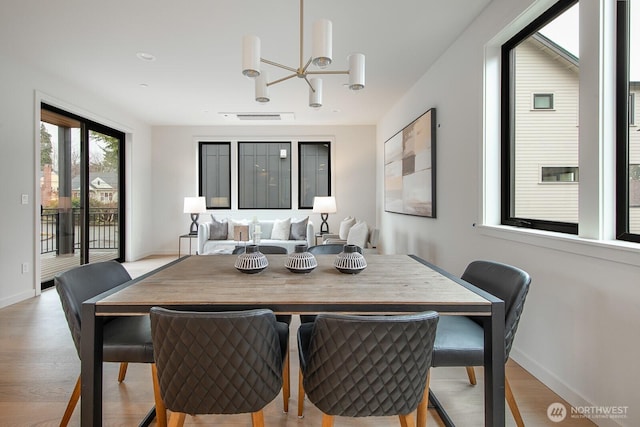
{"x": 73, "y": 401}
{"x": 472, "y": 375}
{"x": 327, "y": 420}
{"x": 512, "y": 403}
{"x": 123, "y": 371}
{"x": 300, "y": 395}
{"x": 257, "y": 419}
{"x": 161, "y": 410}
{"x": 177, "y": 419}
{"x": 421, "y": 413}
{"x": 406, "y": 420}
{"x": 286, "y": 384}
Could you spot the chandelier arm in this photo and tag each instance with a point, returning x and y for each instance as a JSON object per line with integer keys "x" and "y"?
{"x": 282, "y": 79}
{"x": 309, "y": 83}
{"x": 304, "y": 69}
{"x": 327, "y": 72}
{"x": 275, "y": 64}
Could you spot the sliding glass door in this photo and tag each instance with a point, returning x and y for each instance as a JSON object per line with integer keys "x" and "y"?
{"x": 81, "y": 188}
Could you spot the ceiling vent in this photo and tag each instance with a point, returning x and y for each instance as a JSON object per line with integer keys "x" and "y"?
{"x": 235, "y": 117}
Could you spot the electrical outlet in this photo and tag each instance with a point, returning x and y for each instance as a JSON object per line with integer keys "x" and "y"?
{"x": 25, "y": 199}
{"x": 25, "y": 267}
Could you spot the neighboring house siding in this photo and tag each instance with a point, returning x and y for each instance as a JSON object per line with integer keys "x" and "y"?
{"x": 545, "y": 137}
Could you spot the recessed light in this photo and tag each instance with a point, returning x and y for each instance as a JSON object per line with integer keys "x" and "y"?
{"x": 144, "y": 56}
{"x": 144, "y": 85}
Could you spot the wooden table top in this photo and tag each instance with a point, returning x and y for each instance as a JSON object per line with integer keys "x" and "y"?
{"x": 389, "y": 284}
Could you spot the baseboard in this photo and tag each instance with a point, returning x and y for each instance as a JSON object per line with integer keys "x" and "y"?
{"x": 558, "y": 386}
{"x": 5, "y": 302}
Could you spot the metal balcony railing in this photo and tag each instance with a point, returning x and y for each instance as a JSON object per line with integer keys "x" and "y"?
{"x": 103, "y": 229}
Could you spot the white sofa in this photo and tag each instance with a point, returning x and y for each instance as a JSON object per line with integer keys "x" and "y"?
{"x": 213, "y": 244}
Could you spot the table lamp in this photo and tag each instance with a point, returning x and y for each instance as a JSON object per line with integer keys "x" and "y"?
{"x": 194, "y": 206}
{"x": 324, "y": 206}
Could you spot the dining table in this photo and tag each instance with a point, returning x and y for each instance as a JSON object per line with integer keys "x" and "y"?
{"x": 390, "y": 284}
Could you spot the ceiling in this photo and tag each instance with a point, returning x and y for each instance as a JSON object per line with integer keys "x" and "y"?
{"x": 197, "y": 44}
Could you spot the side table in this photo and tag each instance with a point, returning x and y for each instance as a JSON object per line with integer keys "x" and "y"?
{"x": 186, "y": 236}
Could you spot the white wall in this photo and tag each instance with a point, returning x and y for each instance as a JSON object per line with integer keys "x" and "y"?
{"x": 578, "y": 330}
{"x": 175, "y": 174}
{"x": 22, "y": 89}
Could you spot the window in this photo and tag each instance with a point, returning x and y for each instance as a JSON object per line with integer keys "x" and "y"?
{"x": 315, "y": 172}
{"x": 560, "y": 174}
{"x": 541, "y": 60}
{"x": 215, "y": 174}
{"x": 543, "y": 101}
{"x": 264, "y": 175}
{"x": 628, "y": 136}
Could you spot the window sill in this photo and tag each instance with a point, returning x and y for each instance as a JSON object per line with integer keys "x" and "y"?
{"x": 609, "y": 250}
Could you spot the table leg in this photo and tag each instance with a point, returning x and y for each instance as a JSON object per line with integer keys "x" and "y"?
{"x": 91, "y": 367}
{"x": 494, "y": 362}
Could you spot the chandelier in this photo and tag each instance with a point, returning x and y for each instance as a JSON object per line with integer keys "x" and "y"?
{"x": 321, "y": 52}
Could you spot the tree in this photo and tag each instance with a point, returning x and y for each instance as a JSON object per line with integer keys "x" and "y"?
{"x": 110, "y": 147}
{"x": 46, "y": 147}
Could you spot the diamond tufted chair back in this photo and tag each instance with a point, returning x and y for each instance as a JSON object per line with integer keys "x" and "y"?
{"x": 360, "y": 366}
{"x": 218, "y": 362}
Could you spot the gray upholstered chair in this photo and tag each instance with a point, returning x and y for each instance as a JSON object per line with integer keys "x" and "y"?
{"x": 329, "y": 248}
{"x": 359, "y": 366}
{"x": 126, "y": 339}
{"x": 265, "y": 249}
{"x": 218, "y": 362}
{"x": 460, "y": 339}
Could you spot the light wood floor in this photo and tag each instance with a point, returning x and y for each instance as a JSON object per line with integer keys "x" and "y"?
{"x": 39, "y": 367}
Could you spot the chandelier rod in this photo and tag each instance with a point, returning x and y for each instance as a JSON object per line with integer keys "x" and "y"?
{"x": 301, "y": 71}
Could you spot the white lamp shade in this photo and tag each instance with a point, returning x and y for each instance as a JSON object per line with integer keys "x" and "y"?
{"x": 262, "y": 90}
{"x": 195, "y": 205}
{"x": 251, "y": 56}
{"x": 315, "y": 93}
{"x": 356, "y": 71}
{"x": 321, "y": 47}
{"x": 325, "y": 204}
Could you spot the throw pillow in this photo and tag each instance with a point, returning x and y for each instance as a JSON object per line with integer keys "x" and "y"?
{"x": 232, "y": 224}
{"x": 358, "y": 234}
{"x": 345, "y": 225}
{"x": 218, "y": 229}
{"x": 299, "y": 229}
{"x": 281, "y": 229}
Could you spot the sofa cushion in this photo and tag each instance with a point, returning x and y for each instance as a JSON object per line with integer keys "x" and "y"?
{"x": 281, "y": 229}
{"x": 299, "y": 229}
{"x": 345, "y": 225}
{"x": 358, "y": 234}
{"x": 218, "y": 230}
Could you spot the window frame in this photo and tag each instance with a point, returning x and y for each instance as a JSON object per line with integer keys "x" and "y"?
{"x": 300, "y": 144}
{"x": 201, "y": 145}
{"x": 550, "y": 95}
{"x": 507, "y": 140}
{"x": 622, "y": 122}
{"x": 238, "y": 160}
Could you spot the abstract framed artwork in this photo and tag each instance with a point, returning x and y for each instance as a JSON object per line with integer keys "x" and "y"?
{"x": 410, "y": 168}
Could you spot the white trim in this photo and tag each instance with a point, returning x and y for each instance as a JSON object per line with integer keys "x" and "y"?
{"x": 609, "y": 250}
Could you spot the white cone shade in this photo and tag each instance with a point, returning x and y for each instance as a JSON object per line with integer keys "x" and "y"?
{"x": 322, "y": 43}
{"x": 262, "y": 90}
{"x": 251, "y": 56}
{"x": 356, "y": 71}
{"x": 315, "y": 98}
